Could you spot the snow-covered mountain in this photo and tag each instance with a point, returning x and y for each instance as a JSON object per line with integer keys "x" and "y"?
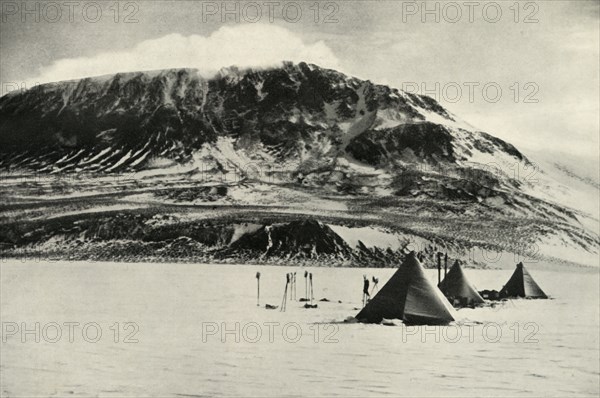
{"x": 298, "y": 136}
{"x": 297, "y": 112}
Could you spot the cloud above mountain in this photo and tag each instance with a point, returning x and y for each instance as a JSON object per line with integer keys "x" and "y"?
{"x": 243, "y": 45}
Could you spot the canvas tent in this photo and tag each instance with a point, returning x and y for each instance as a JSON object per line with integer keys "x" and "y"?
{"x": 408, "y": 296}
{"x": 458, "y": 289}
{"x": 521, "y": 284}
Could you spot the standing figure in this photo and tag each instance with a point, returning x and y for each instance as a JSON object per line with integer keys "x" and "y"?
{"x": 366, "y": 295}
{"x": 375, "y": 288}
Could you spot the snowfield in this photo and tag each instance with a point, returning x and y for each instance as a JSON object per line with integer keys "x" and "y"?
{"x": 182, "y": 336}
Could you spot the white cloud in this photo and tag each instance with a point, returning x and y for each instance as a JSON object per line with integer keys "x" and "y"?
{"x": 243, "y": 45}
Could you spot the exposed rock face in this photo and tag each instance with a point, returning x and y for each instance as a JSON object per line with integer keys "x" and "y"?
{"x": 296, "y": 112}
{"x": 298, "y": 141}
{"x": 307, "y": 238}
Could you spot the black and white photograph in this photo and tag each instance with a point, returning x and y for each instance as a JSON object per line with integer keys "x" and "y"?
{"x": 354, "y": 198}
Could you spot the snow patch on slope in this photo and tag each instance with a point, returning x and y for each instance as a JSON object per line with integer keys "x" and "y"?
{"x": 369, "y": 236}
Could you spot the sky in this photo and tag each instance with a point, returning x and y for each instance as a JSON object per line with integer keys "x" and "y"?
{"x": 526, "y": 72}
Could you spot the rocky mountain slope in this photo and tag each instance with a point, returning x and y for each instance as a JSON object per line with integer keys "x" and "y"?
{"x": 291, "y": 142}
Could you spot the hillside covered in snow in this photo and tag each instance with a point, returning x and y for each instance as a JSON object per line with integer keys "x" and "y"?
{"x": 296, "y": 164}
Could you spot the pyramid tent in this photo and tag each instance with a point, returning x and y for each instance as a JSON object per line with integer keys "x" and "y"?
{"x": 408, "y": 296}
{"x": 456, "y": 286}
{"x": 521, "y": 284}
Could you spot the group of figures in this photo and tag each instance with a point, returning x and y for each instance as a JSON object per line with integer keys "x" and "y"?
{"x": 366, "y": 294}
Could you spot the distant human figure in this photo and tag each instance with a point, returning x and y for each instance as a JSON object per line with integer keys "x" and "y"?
{"x": 375, "y": 287}
{"x": 366, "y": 294}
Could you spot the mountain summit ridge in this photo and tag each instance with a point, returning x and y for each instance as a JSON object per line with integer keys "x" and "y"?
{"x": 178, "y": 106}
